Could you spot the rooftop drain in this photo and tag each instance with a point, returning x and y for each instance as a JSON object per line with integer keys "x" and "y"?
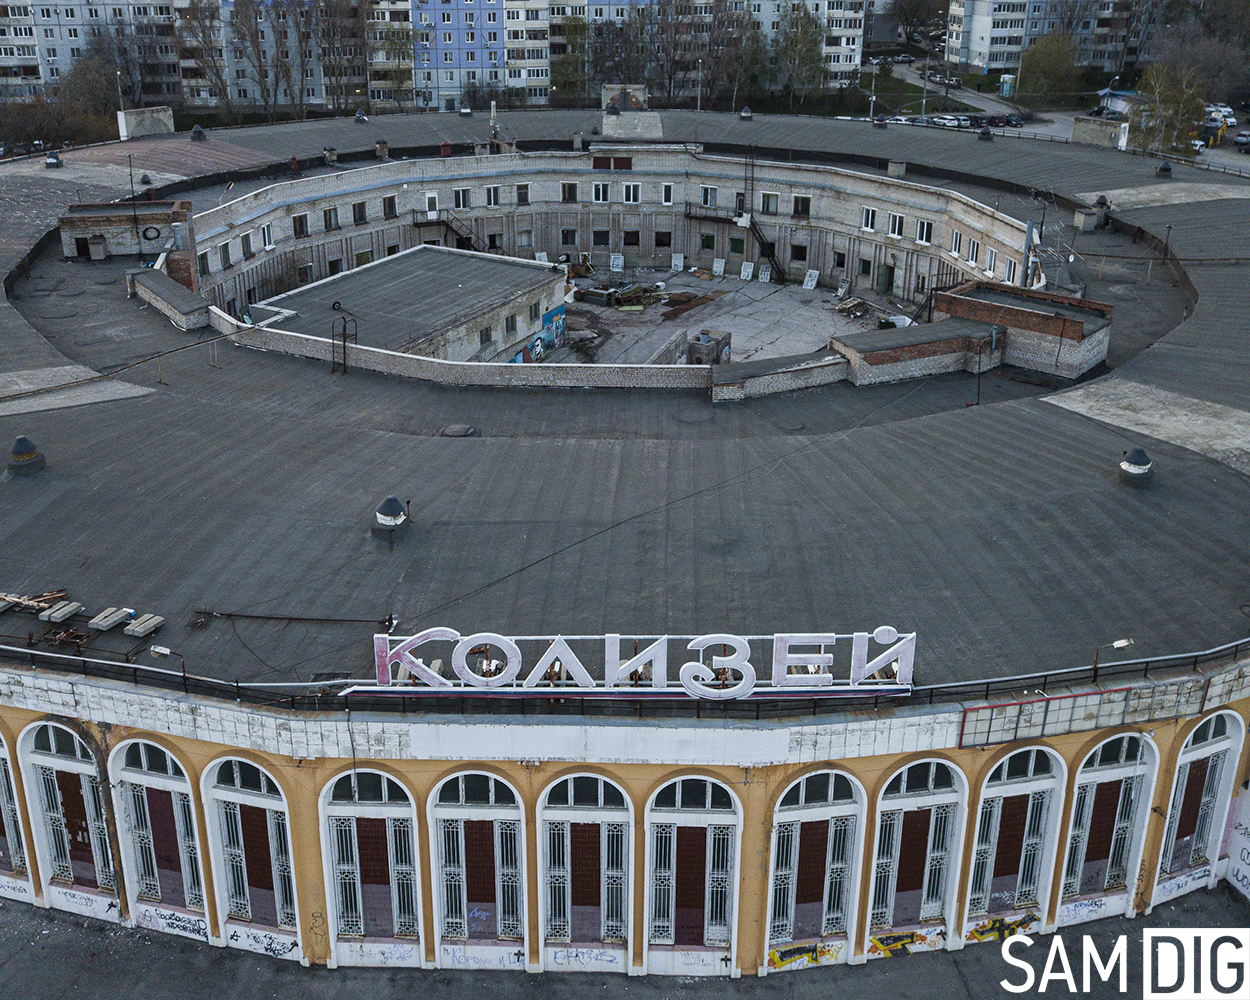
{"x": 1135, "y": 468}
{"x": 25, "y": 458}
{"x": 459, "y": 431}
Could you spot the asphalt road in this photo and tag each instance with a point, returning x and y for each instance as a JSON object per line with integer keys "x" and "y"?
{"x": 46, "y": 955}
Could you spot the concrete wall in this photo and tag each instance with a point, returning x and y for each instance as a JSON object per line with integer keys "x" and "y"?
{"x": 559, "y": 376}
{"x": 1100, "y": 132}
{"x": 826, "y": 371}
{"x": 145, "y": 121}
{"x": 830, "y": 234}
{"x": 919, "y": 360}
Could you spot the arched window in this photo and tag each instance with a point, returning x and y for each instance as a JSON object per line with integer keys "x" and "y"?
{"x": 693, "y": 853}
{"x": 370, "y": 832}
{"x": 12, "y": 842}
{"x": 815, "y": 849}
{"x": 71, "y": 807}
{"x": 1209, "y": 757}
{"x": 917, "y": 825}
{"x": 252, "y": 828}
{"x": 586, "y": 861}
{"x": 158, "y": 833}
{"x": 1008, "y": 862}
{"x": 479, "y": 842}
{"x": 1107, "y": 815}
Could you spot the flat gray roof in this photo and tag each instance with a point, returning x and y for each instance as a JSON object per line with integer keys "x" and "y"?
{"x": 1092, "y": 318}
{"x": 401, "y": 300}
{"x": 235, "y": 500}
{"x": 868, "y": 341}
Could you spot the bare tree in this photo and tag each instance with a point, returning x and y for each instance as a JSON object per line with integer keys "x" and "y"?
{"x": 200, "y": 35}
{"x": 1171, "y": 103}
{"x": 341, "y": 34}
{"x": 393, "y": 44}
{"x": 570, "y": 72}
{"x": 798, "y": 48}
{"x": 912, "y": 15}
{"x": 119, "y": 47}
{"x": 296, "y": 29}
{"x": 249, "y": 34}
{"x": 1219, "y": 64}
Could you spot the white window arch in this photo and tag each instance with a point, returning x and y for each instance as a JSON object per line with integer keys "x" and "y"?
{"x": 161, "y": 854}
{"x": 373, "y": 888}
{"x": 479, "y": 849}
{"x": 817, "y": 840}
{"x": 249, "y": 832}
{"x": 587, "y": 843}
{"x": 1016, "y": 834}
{"x": 693, "y": 836}
{"x": 1201, "y": 794}
{"x": 13, "y": 856}
{"x": 1109, "y": 809}
{"x": 918, "y": 837}
{"x": 64, "y": 795}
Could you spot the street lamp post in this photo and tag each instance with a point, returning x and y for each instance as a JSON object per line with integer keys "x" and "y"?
{"x": 699, "y": 84}
{"x": 1118, "y": 644}
{"x": 162, "y": 652}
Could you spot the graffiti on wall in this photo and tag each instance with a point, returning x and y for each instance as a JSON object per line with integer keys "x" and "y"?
{"x": 1000, "y": 928}
{"x": 806, "y": 955}
{"x": 905, "y": 942}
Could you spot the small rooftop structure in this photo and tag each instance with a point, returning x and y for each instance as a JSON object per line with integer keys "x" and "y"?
{"x": 456, "y": 305}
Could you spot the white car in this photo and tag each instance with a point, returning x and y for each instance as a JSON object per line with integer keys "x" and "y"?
{"x": 897, "y": 120}
{"x": 1197, "y": 145}
{"x": 946, "y": 121}
{"x": 1242, "y": 138}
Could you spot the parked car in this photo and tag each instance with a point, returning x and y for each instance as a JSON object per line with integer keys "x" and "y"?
{"x": 978, "y": 121}
{"x": 1230, "y": 121}
{"x": 904, "y": 59}
{"x": 1015, "y": 121}
{"x": 946, "y": 121}
{"x": 921, "y": 120}
{"x": 964, "y": 121}
{"x": 997, "y": 121}
{"x": 897, "y": 120}
{"x": 1197, "y": 145}
{"x": 1097, "y": 112}
{"x": 1242, "y": 138}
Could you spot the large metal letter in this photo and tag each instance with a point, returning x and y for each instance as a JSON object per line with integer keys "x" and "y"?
{"x": 506, "y": 675}
{"x": 615, "y": 670}
{"x": 783, "y": 660}
{"x": 401, "y": 655}
{"x": 559, "y": 650}
{"x": 903, "y": 650}
{"x": 694, "y": 675}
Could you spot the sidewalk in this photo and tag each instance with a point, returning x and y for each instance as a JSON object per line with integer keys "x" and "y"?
{"x": 48, "y": 955}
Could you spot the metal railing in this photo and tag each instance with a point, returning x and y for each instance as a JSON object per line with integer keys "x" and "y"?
{"x": 324, "y": 696}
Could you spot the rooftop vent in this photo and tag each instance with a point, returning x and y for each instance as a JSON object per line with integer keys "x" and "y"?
{"x": 390, "y": 519}
{"x": 745, "y": 113}
{"x": 985, "y": 135}
{"x": 198, "y": 134}
{"x": 1164, "y": 170}
{"x": 1135, "y": 468}
{"x": 25, "y": 459}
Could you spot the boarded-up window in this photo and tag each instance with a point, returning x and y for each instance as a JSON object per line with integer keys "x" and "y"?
{"x": 691, "y": 894}
{"x": 1012, "y": 819}
{"x": 255, "y": 824}
{"x": 74, "y": 809}
{"x": 809, "y": 889}
{"x": 912, "y": 858}
{"x": 479, "y": 877}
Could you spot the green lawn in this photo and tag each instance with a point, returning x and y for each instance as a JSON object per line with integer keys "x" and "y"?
{"x": 900, "y": 97}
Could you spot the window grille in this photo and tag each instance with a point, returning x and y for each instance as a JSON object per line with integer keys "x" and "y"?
{"x": 785, "y": 861}
{"x": 1031, "y": 849}
{"x": 983, "y": 855}
{"x": 238, "y": 902}
{"x": 1174, "y": 815}
{"x": 100, "y": 853}
{"x": 885, "y": 869}
{"x": 615, "y": 877}
{"x": 283, "y": 883}
{"x": 451, "y": 860}
{"x": 508, "y": 877}
{"x": 1081, "y": 811}
{"x": 558, "y": 889}
{"x": 841, "y": 835}
{"x": 663, "y": 849}
{"x": 136, "y": 799}
{"x": 718, "y": 906}
{"x": 1198, "y": 852}
{"x": 933, "y": 903}
{"x": 1117, "y": 865}
{"x": 403, "y": 877}
{"x": 189, "y": 851}
{"x": 12, "y": 823}
{"x": 54, "y": 826}
{"x": 351, "y": 922}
